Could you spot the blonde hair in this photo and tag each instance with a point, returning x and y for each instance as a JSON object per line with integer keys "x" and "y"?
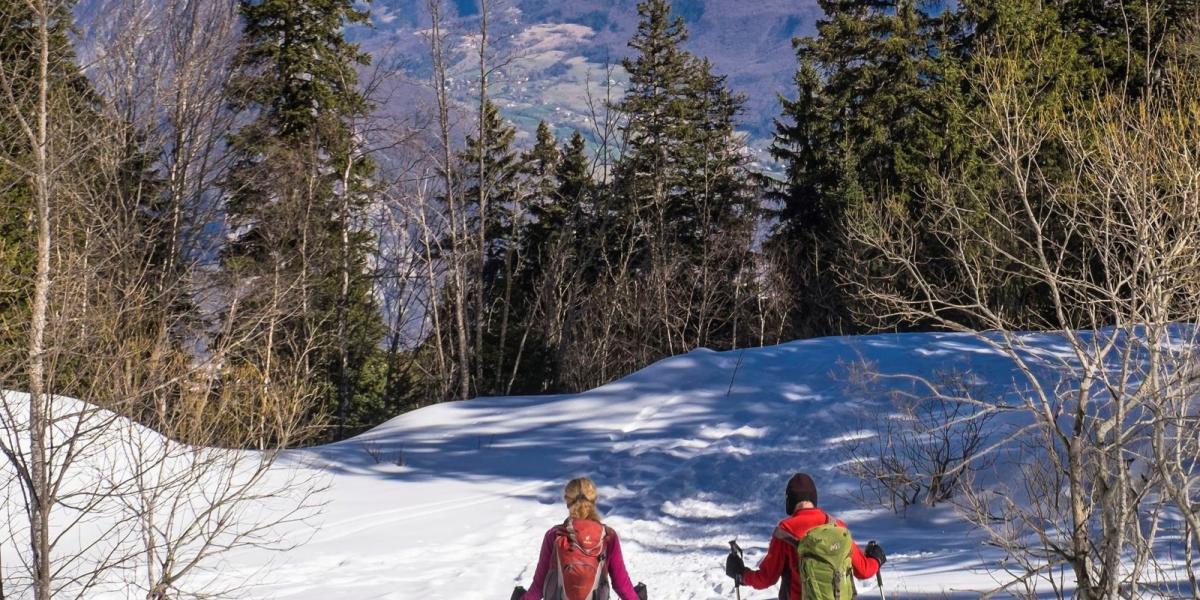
{"x": 580, "y": 495}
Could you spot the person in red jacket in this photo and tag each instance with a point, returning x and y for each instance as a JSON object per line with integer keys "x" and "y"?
{"x": 781, "y": 559}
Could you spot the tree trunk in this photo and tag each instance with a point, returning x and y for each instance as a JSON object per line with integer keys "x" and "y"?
{"x": 459, "y": 299}
{"x": 483, "y": 194}
{"x": 344, "y": 301}
{"x": 39, "y": 425}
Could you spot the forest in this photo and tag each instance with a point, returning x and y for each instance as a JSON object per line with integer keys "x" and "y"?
{"x": 208, "y": 227}
{"x": 224, "y": 211}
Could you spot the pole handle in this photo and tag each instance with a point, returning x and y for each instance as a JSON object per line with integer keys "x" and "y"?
{"x": 878, "y": 575}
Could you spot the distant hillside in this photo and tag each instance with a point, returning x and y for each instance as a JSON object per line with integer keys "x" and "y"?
{"x": 558, "y": 46}
{"x": 557, "y": 50}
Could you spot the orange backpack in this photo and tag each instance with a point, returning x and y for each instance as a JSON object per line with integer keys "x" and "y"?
{"x": 581, "y": 562}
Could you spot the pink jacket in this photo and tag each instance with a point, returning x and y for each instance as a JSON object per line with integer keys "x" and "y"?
{"x": 618, "y": 577}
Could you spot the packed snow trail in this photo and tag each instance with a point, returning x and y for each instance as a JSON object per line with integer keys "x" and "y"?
{"x": 684, "y": 460}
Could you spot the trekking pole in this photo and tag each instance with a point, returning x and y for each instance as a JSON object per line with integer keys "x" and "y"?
{"x": 879, "y": 577}
{"x": 733, "y": 547}
{"x": 735, "y": 371}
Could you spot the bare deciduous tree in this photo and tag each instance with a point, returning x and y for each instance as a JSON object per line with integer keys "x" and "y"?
{"x": 1109, "y": 238}
{"x": 927, "y": 448}
{"x": 150, "y": 475}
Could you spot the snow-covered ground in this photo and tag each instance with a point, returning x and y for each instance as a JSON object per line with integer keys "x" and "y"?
{"x": 684, "y": 461}
{"x": 688, "y": 453}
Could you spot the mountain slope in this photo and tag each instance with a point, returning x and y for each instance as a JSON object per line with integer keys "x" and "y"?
{"x": 556, "y": 49}
{"x": 553, "y": 56}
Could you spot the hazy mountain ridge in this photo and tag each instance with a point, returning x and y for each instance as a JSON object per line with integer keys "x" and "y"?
{"x": 557, "y": 49}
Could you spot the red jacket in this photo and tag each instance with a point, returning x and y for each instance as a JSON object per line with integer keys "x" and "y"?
{"x": 781, "y": 556}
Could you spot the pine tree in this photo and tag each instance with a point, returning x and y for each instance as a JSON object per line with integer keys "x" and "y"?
{"x": 500, "y": 230}
{"x": 299, "y": 186}
{"x": 658, "y": 108}
{"x": 681, "y": 173}
{"x": 862, "y": 128}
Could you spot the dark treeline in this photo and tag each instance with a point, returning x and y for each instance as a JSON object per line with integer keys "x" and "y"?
{"x": 236, "y": 213}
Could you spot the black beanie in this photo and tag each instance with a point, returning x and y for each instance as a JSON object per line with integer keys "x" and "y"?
{"x": 800, "y": 488}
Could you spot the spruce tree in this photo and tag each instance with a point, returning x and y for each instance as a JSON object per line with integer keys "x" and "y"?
{"x": 681, "y": 172}
{"x": 540, "y": 167}
{"x": 803, "y": 144}
{"x": 680, "y": 203}
{"x": 556, "y": 253}
{"x": 577, "y": 216}
{"x": 498, "y": 315}
{"x": 659, "y": 108}
{"x": 885, "y": 101}
{"x": 501, "y": 169}
{"x": 298, "y": 189}
{"x": 863, "y": 127}
{"x": 574, "y": 181}
{"x": 715, "y": 169}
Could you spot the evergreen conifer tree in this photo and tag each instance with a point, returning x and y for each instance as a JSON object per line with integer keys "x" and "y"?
{"x": 659, "y": 108}
{"x": 547, "y": 211}
{"x": 864, "y": 126}
{"x": 498, "y": 316}
{"x": 298, "y": 189}
{"x": 680, "y": 202}
{"x": 575, "y": 180}
{"x": 682, "y": 170}
{"x": 555, "y": 256}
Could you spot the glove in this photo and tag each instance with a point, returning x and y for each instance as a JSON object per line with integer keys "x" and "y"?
{"x": 640, "y": 588}
{"x": 734, "y": 567}
{"x": 517, "y": 593}
{"x": 876, "y": 552}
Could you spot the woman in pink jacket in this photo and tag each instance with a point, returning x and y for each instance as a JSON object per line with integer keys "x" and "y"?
{"x": 581, "y": 558}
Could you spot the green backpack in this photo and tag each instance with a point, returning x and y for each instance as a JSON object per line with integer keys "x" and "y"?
{"x": 826, "y": 572}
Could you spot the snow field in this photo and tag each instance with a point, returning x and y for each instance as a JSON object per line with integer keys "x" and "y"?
{"x": 685, "y": 462}
{"x": 688, "y": 454}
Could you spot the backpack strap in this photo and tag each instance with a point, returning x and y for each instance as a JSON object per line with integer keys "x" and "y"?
{"x": 601, "y": 568}
{"x": 602, "y": 560}
{"x": 604, "y": 531}
{"x": 568, "y": 527}
{"x": 568, "y": 531}
{"x": 558, "y": 565}
{"x": 782, "y": 534}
